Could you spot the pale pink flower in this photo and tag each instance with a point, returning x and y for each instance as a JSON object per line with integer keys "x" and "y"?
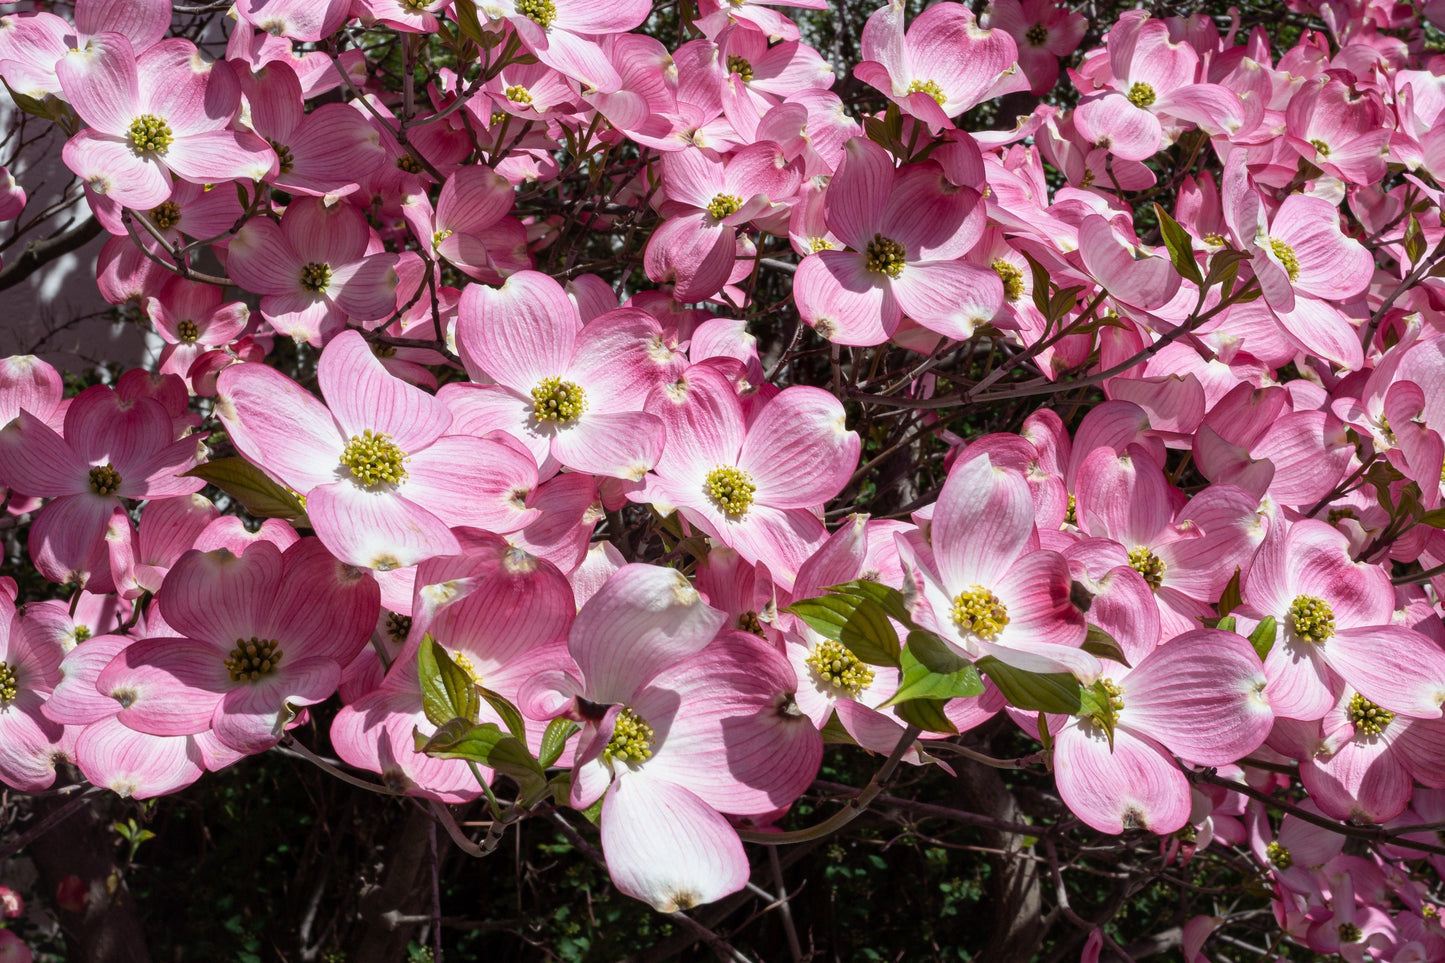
{"x": 29, "y": 672}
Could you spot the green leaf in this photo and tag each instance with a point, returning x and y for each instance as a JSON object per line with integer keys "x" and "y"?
{"x": 470, "y": 24}
{"x": 926, "y": 714}
{"x": 1415, "y": 243}
{"x": 554, "y": 740}
{"x": 486, "y": 745}
{"x": 1100, "y": 643}
{"x": 859, "y": 623}
{"x": 510, "y": 716}
{"x": 1094, "y": 703}
{"x": 249, "y": 485}
{"x": 447, "y": 692}
{"x": 1230, "y": 599}
{"x": 1052, "y": 692}
{"x": 1063, "y": 302}
{"x": 1435, "y": 518}
{"x": 1180, "y": 245}
{"x": 1041, "y": 284}
{"x": 888, "y": 598}
{"x": 1262, "y": 638}
{"x": 931, "y": 670}
{"x": 1225, "y": 624}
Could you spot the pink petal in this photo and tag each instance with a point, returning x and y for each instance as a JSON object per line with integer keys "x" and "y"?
{"x": 167, "y": 687}
{"x": 1134, "y": 785}
{"x": 518, "y": 333}
{"x": 983, "y": 521}
{"x": 799, "y": 449}
{"x": 280, "y": 426}
{"x": 363, "y": 395}
{"x": 376, "y": 528}
{"x": 133, "y": 764}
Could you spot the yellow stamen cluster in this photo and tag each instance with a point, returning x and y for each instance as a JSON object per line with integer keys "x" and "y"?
{"x": 1311, "y": 618}
{"x": 1012, "y": 278}
{"x": 465, "y": 664}
{"x": 104, "y": 479}
{"x": 1109, "y": 715}
{"x": 1146, "y": 563}
{"x": 8, "y": 687}
{"x": 82, "y": 632}
{"x": 731, "y": 490}
{"x": 540, "y": 12}
{"x": 1286, "y": 256}
{"x": 284, "y": 157}
{"x": 188, "y": 331}
{"x": 439, "y": 236}
{"x": 723, "y": 205}
{"x": 1279, "y": 855}
{"x": 374, "y": 458}
{"x": 1322, "y": 147}
{"x": 518, "y": 94}
{"x": 632, "y": 739}
{"x": 166, "y": 215}
{"x": 1350, "y": 933}
{"x": 253, "y": 658}
{"x": 149, "y": 134}
{"x": 315, "y": 277}
{"x": 737, "y": 65}
{"x": 816, "y": 244}
{"x": 834, "y": 665}
{"x": 929, "y": 87}
{"x": 979, "y": 612}
{"x": 1214, "y": 239}
{"x": 556, "y": 400}
{"x": 1071, "y": 514}
{"x": 749, "y": 622}
{"x": 1037, "y": 35}
{"x": 1141, "y": 94}
{"x": 1367, "y": 717}
{"x": 409, "y": 164}
{"x": 885, "y": 256}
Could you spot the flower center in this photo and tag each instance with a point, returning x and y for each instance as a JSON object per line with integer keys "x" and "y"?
{"x": 723, "y": 205}
{"x": 731, "y": 490}
{"x": 1368, "y": 717}
{"x": 166, "y": 216}
{"x": 749, "y": 622}
{"x": 1037, "y": 35}
{"x": 285, "y": 159}
{"x": 8, "y": 687}
{"x": 316, "y": 276}
{"x": 398, "y": 626}
{"x": 542, "y": 12}
{"x": 834, "y": 665}
{"x": 1012, "y": 278}
{"x": 104, "y": 479}
{"x": 1149, "y": 565}
{"x": 415, "y": 6}
{"x": 1322, "y": 147}
{"x": 1279, "y": 855}
{"x": 518, "y": 94}
{"x": 1311, "y": 618}
{"x": 439, "y": 236}
{"x": 981, "y": 612}
{"x": 188, "y": 332}
{"x": 149, "y": 134}
{"x": 1071, "y": 514}
{"x": 253, "y": 658}
{"x": 632, "y": 739}
{"x": 885, "y": 256}
{"x": 929, "y": 87}
{"x": 556, "y": 400}
{"x": 409, "y": 164}
{"x": 374, "y": 458}
{"x": 82, "y": 632}
{"x": 1350, "y": 933}
{"x": 737, "y": 65}
{"x": 1109, "y": 715}
{"x": 1286, "y": 256}
{"x": 465, "y": 664}
{"x": 1141, "y": 94}
{"x": 817, "y": 244}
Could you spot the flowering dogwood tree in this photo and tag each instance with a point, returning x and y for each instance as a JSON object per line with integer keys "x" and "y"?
{"x": 719, "y": 446}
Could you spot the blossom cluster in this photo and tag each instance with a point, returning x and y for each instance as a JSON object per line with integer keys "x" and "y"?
{"x": 1215, "y": 588}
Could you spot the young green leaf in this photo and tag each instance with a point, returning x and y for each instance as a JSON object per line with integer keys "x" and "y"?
{"x": 1052, "y": 692}
{"x": 859, "y": 623}
{"x": 1100, "y": 643}
{"x": 257, "y": 493}
{"x": 1180, "y": 245}
{"x": 554, "y": 740}
{"x": 447, "y": 692}
{"x": 1262, "y": 638}
{"x": 511, "y": 717}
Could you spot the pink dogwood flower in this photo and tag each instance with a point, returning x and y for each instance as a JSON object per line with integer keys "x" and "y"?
{"x": 29, "y": 672}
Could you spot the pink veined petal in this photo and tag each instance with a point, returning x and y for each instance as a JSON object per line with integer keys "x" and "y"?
{"x": 729, "y": 742}
{"x": 1036, "y": 589}
{"x": 66, "y": 534}
{"x": 1299, "y": 680}
{"x": 695, "y": 252}
{"x": 216, "y": 597}
{"x": 304, "y": 20}
{"x": 1319, "y": 328}
{"x": 333, "y": 146}
{"x": 376, "y": 528}
{"x": 844, "y": 301}
{"x": 1420, "y": 745}
{"x": 983, "y": 522}
{"x": 1134, "y": 279}
{"x": 950, "y": 297}
{"x": 366, "y": 290}
{"x": 332, "y": 234}
{"x": 578, "y": 57}
{"x": 1362, "y": 780}
{"x": 188, "y": 93}
{"x": 277, "y": 424}
{"x": 620, "y": 444}
{"x": 667, "y": 847}
{"x": 28, "y": 744}
{"x": 1332, "y": 267}
{"x": 618, "y": 16}
{"x": 261, "y": 259}
{"x": 76, "y": 701}
{"x": 252, "y": 716}
{"x": 143, "y": 22}
{"x": 1109, "y": 120}
{"x": 780, "y": 538}
{"x": 303, "y": 316}
{"x": 1123, "y": 496}
{"x": 167, "y": 687}
{"x": 799, "y": 449}
{"x": 133, "y": 764}
{"x": 473, "y": 198}
{"x": 160, "y": 475}
{"x": 704, "y": 422}
{"x": 324, "y": 607}
{"x": 693, "y": 175}
{"x": 858, "y": 193}
{"x": 363, "y": 395}
{"x": 101, "y": 83}
{"x": 644, "y": 619}
{"x": 965, "y": 60}
{"x": 479, "y": 409}
{"x": 219, "y": 155}
{"x": 37, "y": 461}
{"x": 1134, "y": 785}
{"x": 518, "y": 333}
{"x": 1392, "y": 666}
{"x": 621, "y": 356}
{"x": 474, "y": 481}
{"x": 109, "y": 168}
{"x": 1202, "y": 695}
{"x": 1320, "y": 564}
